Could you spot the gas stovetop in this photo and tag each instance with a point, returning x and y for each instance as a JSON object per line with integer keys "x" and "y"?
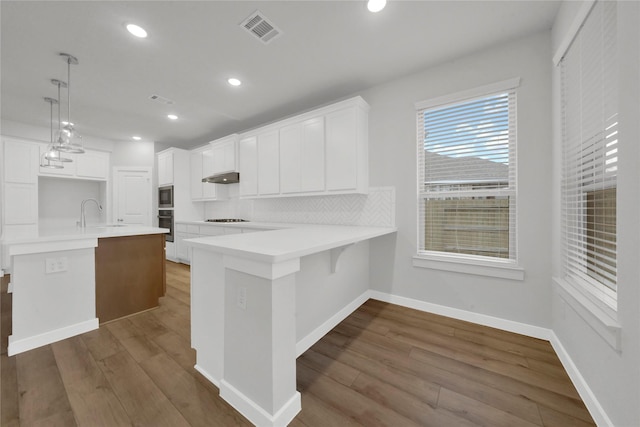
{"x": 227, "y": 220}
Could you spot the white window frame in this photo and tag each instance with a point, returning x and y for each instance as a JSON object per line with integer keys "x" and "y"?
{"x": 470, "y": 264}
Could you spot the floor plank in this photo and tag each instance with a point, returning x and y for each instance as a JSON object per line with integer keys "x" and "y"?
{"x": 145, "y": 403}
{"x": 92, "y": 400}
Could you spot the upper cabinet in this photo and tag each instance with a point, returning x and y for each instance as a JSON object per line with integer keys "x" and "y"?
{"x": 165, "y": 168}
{"x": 302, "y": 157}
{"x": 324, "y": 151}
{"x": 92, "y": 165}
{"x": 224, "y": 154}
{"x": 248, "y": 166}
{"x": 201, "y": 162}
{"x": 20, "y": 186}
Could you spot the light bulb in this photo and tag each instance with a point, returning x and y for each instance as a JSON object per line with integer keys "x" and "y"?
{"x": 376, "y": 5}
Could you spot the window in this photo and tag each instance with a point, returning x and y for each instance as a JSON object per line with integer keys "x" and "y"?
{"x": 467, "y": 175}
{"x": 590, "y": 155}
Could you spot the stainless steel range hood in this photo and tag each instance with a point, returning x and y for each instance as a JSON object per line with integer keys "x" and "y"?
{"x": 223, "y": 178}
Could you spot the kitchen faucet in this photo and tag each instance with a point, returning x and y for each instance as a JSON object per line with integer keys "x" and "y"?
{"x": 83, "y": 221}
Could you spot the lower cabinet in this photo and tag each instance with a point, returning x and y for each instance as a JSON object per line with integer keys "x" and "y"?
{"x": 191, "y": 231}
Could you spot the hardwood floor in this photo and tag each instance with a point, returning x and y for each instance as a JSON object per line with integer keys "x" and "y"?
{"x": 384, "y": 365}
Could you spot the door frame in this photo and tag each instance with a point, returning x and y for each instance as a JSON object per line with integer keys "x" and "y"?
{"x": 146, "y": 169}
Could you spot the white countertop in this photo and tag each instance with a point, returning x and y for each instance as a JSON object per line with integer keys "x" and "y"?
{"x": 289, "y": 241}
{"x": 55, "y": 234}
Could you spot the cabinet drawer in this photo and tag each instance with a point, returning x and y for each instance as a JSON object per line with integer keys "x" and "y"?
{"x": 211, "y": 230}
{"x": 193, "y": 229}
{"x": 181, "y": 228}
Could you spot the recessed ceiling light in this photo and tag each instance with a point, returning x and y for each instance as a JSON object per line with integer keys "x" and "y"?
{"x": 376, "y": 5}
{"x": 136, "y": 138}
{"x": 137, "y": 30}
{"x": 234, "y": 82}
{"x": 172, "y": 116}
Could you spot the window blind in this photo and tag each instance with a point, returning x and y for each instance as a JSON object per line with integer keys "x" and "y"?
{"x": 467, "y": 177}
{"x": 590, "y": 154}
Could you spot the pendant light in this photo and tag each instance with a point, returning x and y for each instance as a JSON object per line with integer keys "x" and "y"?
{"x": 68, "y": 140}
{"x": 53, "y": 153}
{"x": 44, "y": 160}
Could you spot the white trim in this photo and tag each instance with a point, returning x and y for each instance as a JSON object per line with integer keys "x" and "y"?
{"x": 470, "y": 266}
{"x": 598, "y": 319}
{"x": 206, "y": 374}
{"x": 589, "y": 398}
{"x": 572, "y": 32}
{"x": 303, "y": 344}
{"x": 256, "y": 414}
{"x": 20, "y": 345}
{"x": 468, "y": 316}
{"x": 470, "y": 93}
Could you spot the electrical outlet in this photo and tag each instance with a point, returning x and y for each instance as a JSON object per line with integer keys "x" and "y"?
{"x": 56, "y": 265}
{"x": 242, "y": 297}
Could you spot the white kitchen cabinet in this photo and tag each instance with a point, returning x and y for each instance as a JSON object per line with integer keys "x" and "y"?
{"x": 92, "y": 165}
{"x": 21, "y": 204}
{"x": 324, "y": 151}
{"x": 302, "y": 165}
{"x": 269, "y": 163}
{"x": 195, "y": 169}
{"x": 20, "y": 162}
{"x": 20, "y": 186}
{"x": 344, "y": 150}
{"x": 248, "y": 166}
{"x": 201, "y": 166}
{"x": 224, "y": 154}
{"x": 165, "y": 168}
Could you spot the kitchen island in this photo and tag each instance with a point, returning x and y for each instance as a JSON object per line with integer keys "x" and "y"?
{"x": 56, "y": 272}
{"x": 259, "y": 300}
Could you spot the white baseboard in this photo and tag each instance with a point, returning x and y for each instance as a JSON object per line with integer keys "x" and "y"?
{"x": 456, "y": 313}
{"x": 21, "y": 345}
{"x": 257, "y": 415}
{"x": 595, "y": 409}
{"x": 315, "y": 335}
{"x": 206, "y": 375}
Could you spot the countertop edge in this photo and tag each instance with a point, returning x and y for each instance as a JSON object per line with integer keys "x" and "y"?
{"x": 215, "y": 244}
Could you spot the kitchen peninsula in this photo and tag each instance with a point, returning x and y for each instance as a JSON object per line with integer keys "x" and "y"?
{"x": 65, "y": 281}
{"x": 261, "y": 299}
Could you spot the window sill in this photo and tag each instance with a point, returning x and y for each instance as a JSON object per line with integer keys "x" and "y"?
{"x": 600, "y": 321}
{"x": 469, "y": 266}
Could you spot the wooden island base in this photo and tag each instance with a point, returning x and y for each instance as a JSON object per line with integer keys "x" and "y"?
{"x": 130, "y": 275}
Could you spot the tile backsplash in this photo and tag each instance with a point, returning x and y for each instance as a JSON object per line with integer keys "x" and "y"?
{"x": 374, "y": 209}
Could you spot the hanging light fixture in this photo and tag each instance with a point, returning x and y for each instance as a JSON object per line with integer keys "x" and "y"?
{"x": 67, "y": 139}
{"x": 53, "y": 152}
{"x": 44, "y": 161}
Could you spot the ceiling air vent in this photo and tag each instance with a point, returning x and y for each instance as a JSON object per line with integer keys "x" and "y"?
{"x": 161, "y": 99}
{"x": 258, "y": 25}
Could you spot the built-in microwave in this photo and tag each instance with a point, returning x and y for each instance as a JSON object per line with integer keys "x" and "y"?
{"x": 165, "y": 196}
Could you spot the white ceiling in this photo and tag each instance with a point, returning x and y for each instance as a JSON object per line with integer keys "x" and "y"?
{"x": 328, "y": 50}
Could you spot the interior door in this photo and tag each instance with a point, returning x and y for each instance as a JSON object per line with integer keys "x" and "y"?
{"x": 133, "y": 196}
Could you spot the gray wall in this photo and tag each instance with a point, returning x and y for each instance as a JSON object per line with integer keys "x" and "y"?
{"x": 393, "y": 148}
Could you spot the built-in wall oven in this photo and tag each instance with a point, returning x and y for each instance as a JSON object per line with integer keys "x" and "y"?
{"x": 165, "y": 197}
{"x": 165, "y": 220}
